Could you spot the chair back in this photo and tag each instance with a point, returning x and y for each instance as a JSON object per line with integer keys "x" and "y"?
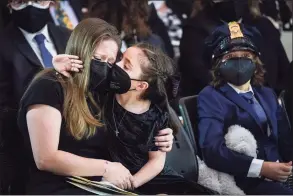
{"x": 282, "y": 102}
{"x": 182, "y": 158}
{"x": 188, "y": 110}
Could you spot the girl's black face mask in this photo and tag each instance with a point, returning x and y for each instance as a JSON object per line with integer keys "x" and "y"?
{"x": 120, "y": 81}
{"x": 104, "y": 76}
{"x": 237, "y": 71}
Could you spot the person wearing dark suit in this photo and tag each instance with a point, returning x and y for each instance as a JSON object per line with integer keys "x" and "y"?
{"x": 278, "y": 10}
{"x": 205, "y": 17}
{"x": 158, "y": 27}
{"x": 182, "y": 8}
{"x": 236, "y": 96}
{"x": 4, "y": 14}
{"x": 28, "y": 44}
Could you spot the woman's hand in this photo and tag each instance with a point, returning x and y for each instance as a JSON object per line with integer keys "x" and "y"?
{"x": 64, "y": 63}
{"x": 118, "y": 175}
{"x": 164, "y": 140}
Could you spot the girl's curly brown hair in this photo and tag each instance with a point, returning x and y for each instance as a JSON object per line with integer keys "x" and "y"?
{"x": 256, "y": 80}
{"x": 125, "y": 15}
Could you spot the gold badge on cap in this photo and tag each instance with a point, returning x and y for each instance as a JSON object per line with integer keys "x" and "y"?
{"x": 235, "y": 31}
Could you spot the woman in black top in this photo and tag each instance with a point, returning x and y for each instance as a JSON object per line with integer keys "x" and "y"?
{"x": 60, "y": 117}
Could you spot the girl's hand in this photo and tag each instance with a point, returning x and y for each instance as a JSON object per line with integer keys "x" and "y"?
{"x": 64, "y": 63}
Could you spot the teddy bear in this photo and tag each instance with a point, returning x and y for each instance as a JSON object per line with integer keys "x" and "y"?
{"x": 237, "y": 139}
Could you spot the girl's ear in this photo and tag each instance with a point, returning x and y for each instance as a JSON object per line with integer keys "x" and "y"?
{"x": 142, "y": 86}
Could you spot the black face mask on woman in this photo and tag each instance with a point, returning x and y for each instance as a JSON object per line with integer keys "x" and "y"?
{"x": 237, "y": 71}
{"x": 31, "y": 19}
{"x": 99, "y": 72}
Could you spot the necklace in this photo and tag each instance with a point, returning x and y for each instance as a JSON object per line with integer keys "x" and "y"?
{"x": 114, "y": 120}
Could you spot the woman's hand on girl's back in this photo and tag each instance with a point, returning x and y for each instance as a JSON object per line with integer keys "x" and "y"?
{"x": 64, "y": 63}
{"x": 164, "y": 140}
{"x": 118, "y": 175}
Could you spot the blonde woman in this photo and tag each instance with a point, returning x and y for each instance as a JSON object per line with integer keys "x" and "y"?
{"x": 60, "y": 117}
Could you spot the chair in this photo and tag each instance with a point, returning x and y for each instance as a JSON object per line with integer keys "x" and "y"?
{"x": 182, "y": 158}
{"x": 188, "y": 109}
{"x": 282, "y": 102}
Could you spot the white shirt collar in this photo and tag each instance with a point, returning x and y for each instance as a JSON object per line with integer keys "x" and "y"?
{"x": 31, "y": 36}
{"x": 241, "y": 91}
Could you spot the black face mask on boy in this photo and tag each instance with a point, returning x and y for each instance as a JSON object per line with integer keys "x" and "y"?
{"x": 30, "y": 18}
{"x": 237, "y": 71}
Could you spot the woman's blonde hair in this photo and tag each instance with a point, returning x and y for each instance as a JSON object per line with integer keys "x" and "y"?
{"x": 80, "y": 122}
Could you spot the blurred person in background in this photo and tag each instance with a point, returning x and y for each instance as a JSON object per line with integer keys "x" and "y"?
{"x": 172, "y": 23}
{"x": 4, "y": 14}
{"x": 278, "y": 12}
{"x": 136, "y": 20}
{"x": 205, "y": 17}
{"x": 66, "y": 13}
{"x": 182, "y": 8}
{"x": 269, "y": 9}
{"x": 28, "y": 44}
{"x": 286, "y": 14}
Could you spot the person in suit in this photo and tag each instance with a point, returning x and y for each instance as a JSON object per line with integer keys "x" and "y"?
{"x": 4, "y": 14}
{"x": 278, "y": 12}
{"x": 236, "y": 96}
{"x": 28, "y": 44}
{"x": 66, "y": 13}
{"x": 182, "y": 8}
{"x": 209, "y": 14}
